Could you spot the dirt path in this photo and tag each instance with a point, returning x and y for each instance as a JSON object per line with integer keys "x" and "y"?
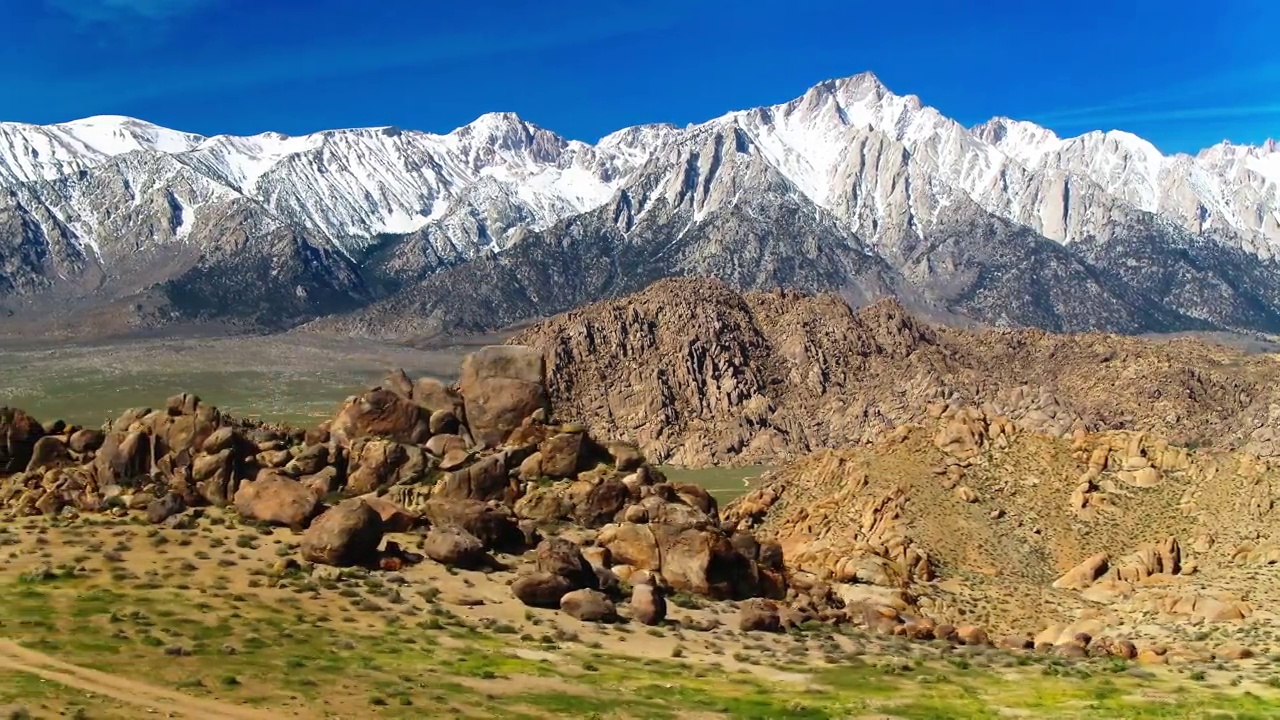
{"x": 131, "y": 692}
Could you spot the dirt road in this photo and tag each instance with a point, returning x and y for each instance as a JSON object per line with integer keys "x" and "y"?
{"x": 147, "y": 698}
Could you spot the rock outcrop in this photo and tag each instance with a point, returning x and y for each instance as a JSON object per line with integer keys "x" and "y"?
{"x": 696, "y": 373}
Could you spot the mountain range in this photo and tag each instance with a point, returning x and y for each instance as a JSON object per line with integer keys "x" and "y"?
{"x": 113, "y": 224}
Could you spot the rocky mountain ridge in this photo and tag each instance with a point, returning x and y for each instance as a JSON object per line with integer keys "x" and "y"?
{"x": 698, "y": 373}
{"x": 1002, "y": 223}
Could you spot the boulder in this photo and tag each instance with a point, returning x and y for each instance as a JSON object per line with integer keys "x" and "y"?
{"x": 276, "y": 499}
{"x": 399, "y": 383}
{"x": 346, "y": 534}
{"x": 699, "y": 561}
{"x": 588, "y": 606}
{"x": 48, "y": 451}
{"x": 625, "y": 456}
{"x": 165, "y": 507}
{"x": 494, "y": 525}
{"x": 18, "y": 435}
{"x": 485, "y": 479}
{"x": 434, "y": 395}
{"x": 86, "y": 440}
{"x": 971, "y": 635}
{"x": 124, "y": 458}
{"x": 696, "y": 496}
{"x": 454, "y": 547}
{"x": 631, "y": 544}
{"x": 214, "y": 477}
{"x": 648, "y": 605}
{"x": 443, "y": 421}
{"x": 1082, "y": 576}
{"x": 759, "y": 616}
{"x": 443, "y": 444}
{"x": 543, "y": 505}
{"x": 395, "y": 519}
{"x": 381, "y": 413}
{"x": 562, "y": 455}
{"x": 541, "y": 589}
{"x": 375, "y": 463}
{"x": 323, "y": 483}
{"x": 501, "y": 385}
{"x": 310, "y": 461}
{"x": 602, "y": 503}
{"x": 221, "y": 439}
{"x": 560, "y": 557}
{"x": 530, "y": 468}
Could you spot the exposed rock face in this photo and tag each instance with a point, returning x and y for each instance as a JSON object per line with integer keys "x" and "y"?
{"x": 884, "y": 525}
{"x": 695, "y": 373}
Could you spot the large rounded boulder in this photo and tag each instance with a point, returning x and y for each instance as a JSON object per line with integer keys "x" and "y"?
{"x": 346, "y": 534}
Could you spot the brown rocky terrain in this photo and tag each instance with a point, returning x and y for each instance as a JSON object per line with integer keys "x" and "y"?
{"x": 971, "y": 519}
{"x": 696, "y": 373}
{"x": 967, "y": 533}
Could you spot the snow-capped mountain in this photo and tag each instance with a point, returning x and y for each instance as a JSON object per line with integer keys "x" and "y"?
{"x": 119, "y": 208}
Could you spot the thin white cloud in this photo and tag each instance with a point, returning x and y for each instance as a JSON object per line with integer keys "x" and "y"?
{"x": 1224, "y": 112}
{"x": 105, "y": 11}
{"x": 1185, "y": 101}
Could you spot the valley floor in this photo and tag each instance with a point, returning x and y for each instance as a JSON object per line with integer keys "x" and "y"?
{"x": 282, "y": 378}
{"x": 113, "y": 618}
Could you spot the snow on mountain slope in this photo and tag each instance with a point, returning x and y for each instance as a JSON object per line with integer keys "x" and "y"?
{"x": 886, "y": 163}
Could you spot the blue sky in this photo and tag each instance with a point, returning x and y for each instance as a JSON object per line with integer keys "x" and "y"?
{"x": 1183, "y": 74}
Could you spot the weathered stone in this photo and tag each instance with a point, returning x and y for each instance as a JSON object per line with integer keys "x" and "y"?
{"x": 454, "y": 547}
{"x": 501, "y": 385}
{"x": 495, "y": 526}
{"x": 162, "y": 508}
{"x": 759, "y": 615}
{"x": 631, "y": 544}
{"x": 399, "y": 383}
{"x": 395, "y": 519}
{"x": 86, "y": 440}
{"x": 221, "y": 439}
{"x": 346, "y": 534}
{"x": 648, "y": 604}
{"x": 214, "y": 477}
{"x": 375, "y": 463}
{"x": 276, "y": 499}
{"x": 530, "y": 468}
{"x": 381, "y": 413}
{"x": 310, "y": 461}
{"x": 562, "y": 455}
{"x": 434, "y": 395}
{"x": 601, "y": 504}
{"x": 625, "y": 456}
{"x": 123, "y": 458}
{"x": 443, "y": 421}
{"x": 541, "y": 589}
{"x": 48, "y": 451}
{"x": 561, "y": 557}
{"x": 588, "y": 606}
{"x": 485, "y": 479}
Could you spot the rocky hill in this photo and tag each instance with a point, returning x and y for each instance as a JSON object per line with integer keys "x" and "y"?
{"x": 696, "y": 372}
{"x": 969, "y": 518}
